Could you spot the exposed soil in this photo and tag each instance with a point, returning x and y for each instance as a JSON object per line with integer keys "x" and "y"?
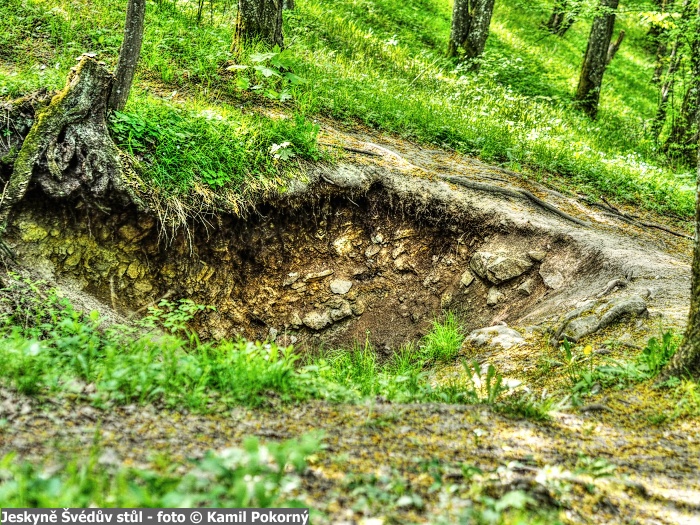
{"x": 397, "y": 237}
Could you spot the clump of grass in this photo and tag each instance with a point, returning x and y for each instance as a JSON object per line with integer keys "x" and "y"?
{"x": 219, "y": 147}
{"x": 444, "y": 341}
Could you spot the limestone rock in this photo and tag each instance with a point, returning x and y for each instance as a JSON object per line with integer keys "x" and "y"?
{"x": 342, "y": 311}
{"x": 537, "y": 255}
{"x": 340, "y": 286}
{"x": 466, "y": 279}
{"x": 372, "y": 250}
{"x": 525, "y": 287}
{"x": 552, "y": 278}
{"x": 496, "y": 335}
{"x": 498, "y": 268}
{"x": 494, "y": 296}
{"x": 317, "y": 320}
{"x": 292, "y": 277}
{"x": 311, "y": 277}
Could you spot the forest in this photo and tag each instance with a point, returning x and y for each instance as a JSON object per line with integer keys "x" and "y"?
{"x": 368, "y": 261}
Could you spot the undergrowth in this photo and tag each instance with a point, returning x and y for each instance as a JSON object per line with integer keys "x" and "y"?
{"x": 48, "y": 347}
{"x": 255, "y": 475}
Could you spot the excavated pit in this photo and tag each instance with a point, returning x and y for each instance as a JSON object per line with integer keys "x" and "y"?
{"x": 327, "y": 267}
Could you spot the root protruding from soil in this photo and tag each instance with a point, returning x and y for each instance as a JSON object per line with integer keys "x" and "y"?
{"x": 68, "y": 149}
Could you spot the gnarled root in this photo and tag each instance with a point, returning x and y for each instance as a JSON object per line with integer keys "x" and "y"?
{"x": 68, "y": 150}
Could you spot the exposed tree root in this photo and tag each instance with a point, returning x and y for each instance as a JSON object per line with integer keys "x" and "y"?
{"x": 68, "y": 149}
{"x": 517, "y": 193}
{"x": 596, "y": 315}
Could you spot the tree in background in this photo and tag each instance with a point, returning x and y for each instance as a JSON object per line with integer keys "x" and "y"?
{"x": 563, "y": 16}
{"x": 470, "y": 28}
{"x": 675, "y": 35}
{"x": 683, "y": 138}
{"x": 128, "y": 54}
{"x": 686, "y": 361}
{"x": 598, "y": 55}
{"x": 259, "y": 21}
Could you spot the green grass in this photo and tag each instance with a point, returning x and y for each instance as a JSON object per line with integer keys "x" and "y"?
{"x": 221, "y": 148}
{"x": 47, "y": 348}
{"x": 381, "y": 63}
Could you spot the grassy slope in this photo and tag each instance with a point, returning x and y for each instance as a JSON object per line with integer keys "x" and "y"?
{"x": 377, "y": 61}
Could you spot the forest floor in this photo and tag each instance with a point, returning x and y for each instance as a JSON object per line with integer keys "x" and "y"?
{"x": 624, "y": 452}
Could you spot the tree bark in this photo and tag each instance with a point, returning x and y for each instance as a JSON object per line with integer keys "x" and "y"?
{"x": 259, "y": 21}
{"x": 288, "y": 4}
{"x": 686, "y": 361}
{"x": 68, "y": 149}
{"x": 128, "y": 54}
{"x": 595, "y": 59}
{"x": 666, "y": 90}
{"x": 470, "y": 28}
{"x": 685, "y": 131}
{"x": 614, "y": 48}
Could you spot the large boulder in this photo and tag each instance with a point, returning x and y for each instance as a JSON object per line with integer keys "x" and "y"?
{"x": 499, "y": 267}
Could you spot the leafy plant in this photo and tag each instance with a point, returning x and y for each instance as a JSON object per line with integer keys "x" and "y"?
{"x": 255, "y": 475}
{"x": 269, "y": 73}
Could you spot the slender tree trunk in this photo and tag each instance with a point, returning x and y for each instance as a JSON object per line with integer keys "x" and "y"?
{"x": 461, "y": 21}
{"x": 666, "y": 90}
{"x": 686, "y": 128}
{"x": 128, "y": 54}
{"x": 288, "y": 4}
{"x": 259, "y": 20}
{"x": 563, "y": 16}
{"x": 470, "y": 27}
{"x": 595, "y": 59}
{"x": 686, "y": 362}
{"x": 658, "y": 35}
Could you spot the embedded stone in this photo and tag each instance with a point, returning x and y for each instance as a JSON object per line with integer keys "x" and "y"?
{"x": 526, "y": 287}
{"x": 466, "y": 279}
{"x": 341, "y": 312}
{"x": 317, "y": 320}
{"x": 537, "y": 255}
{"x": 494, "y": 296}
{"x": 291, "y": 279}
{"x": 340, "y": 286}
{"x": 499, "y": 335}
{"x": 498, "y": 268}
{"x": 311, "y": 277}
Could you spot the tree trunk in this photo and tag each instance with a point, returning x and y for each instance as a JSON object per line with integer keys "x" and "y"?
{"x": 128, "y": 54}
{"x": 685, "y": 131}
{"x": 470, "y": 27}
{"x": 666, "y": 90}
{"x": 595, "y": 59}
{"x": 479, "y": 28}
{"x": 563, "y": 16}
{"x": 259, "y": 20}
{"x": 461, "y": 20}
{"x": 288, "y": 4}
{"x": 68, "y": 149}
{"x": 686, "y": 361}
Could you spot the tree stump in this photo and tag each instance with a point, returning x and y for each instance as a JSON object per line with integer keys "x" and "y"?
{"x": 68, "y": 150}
